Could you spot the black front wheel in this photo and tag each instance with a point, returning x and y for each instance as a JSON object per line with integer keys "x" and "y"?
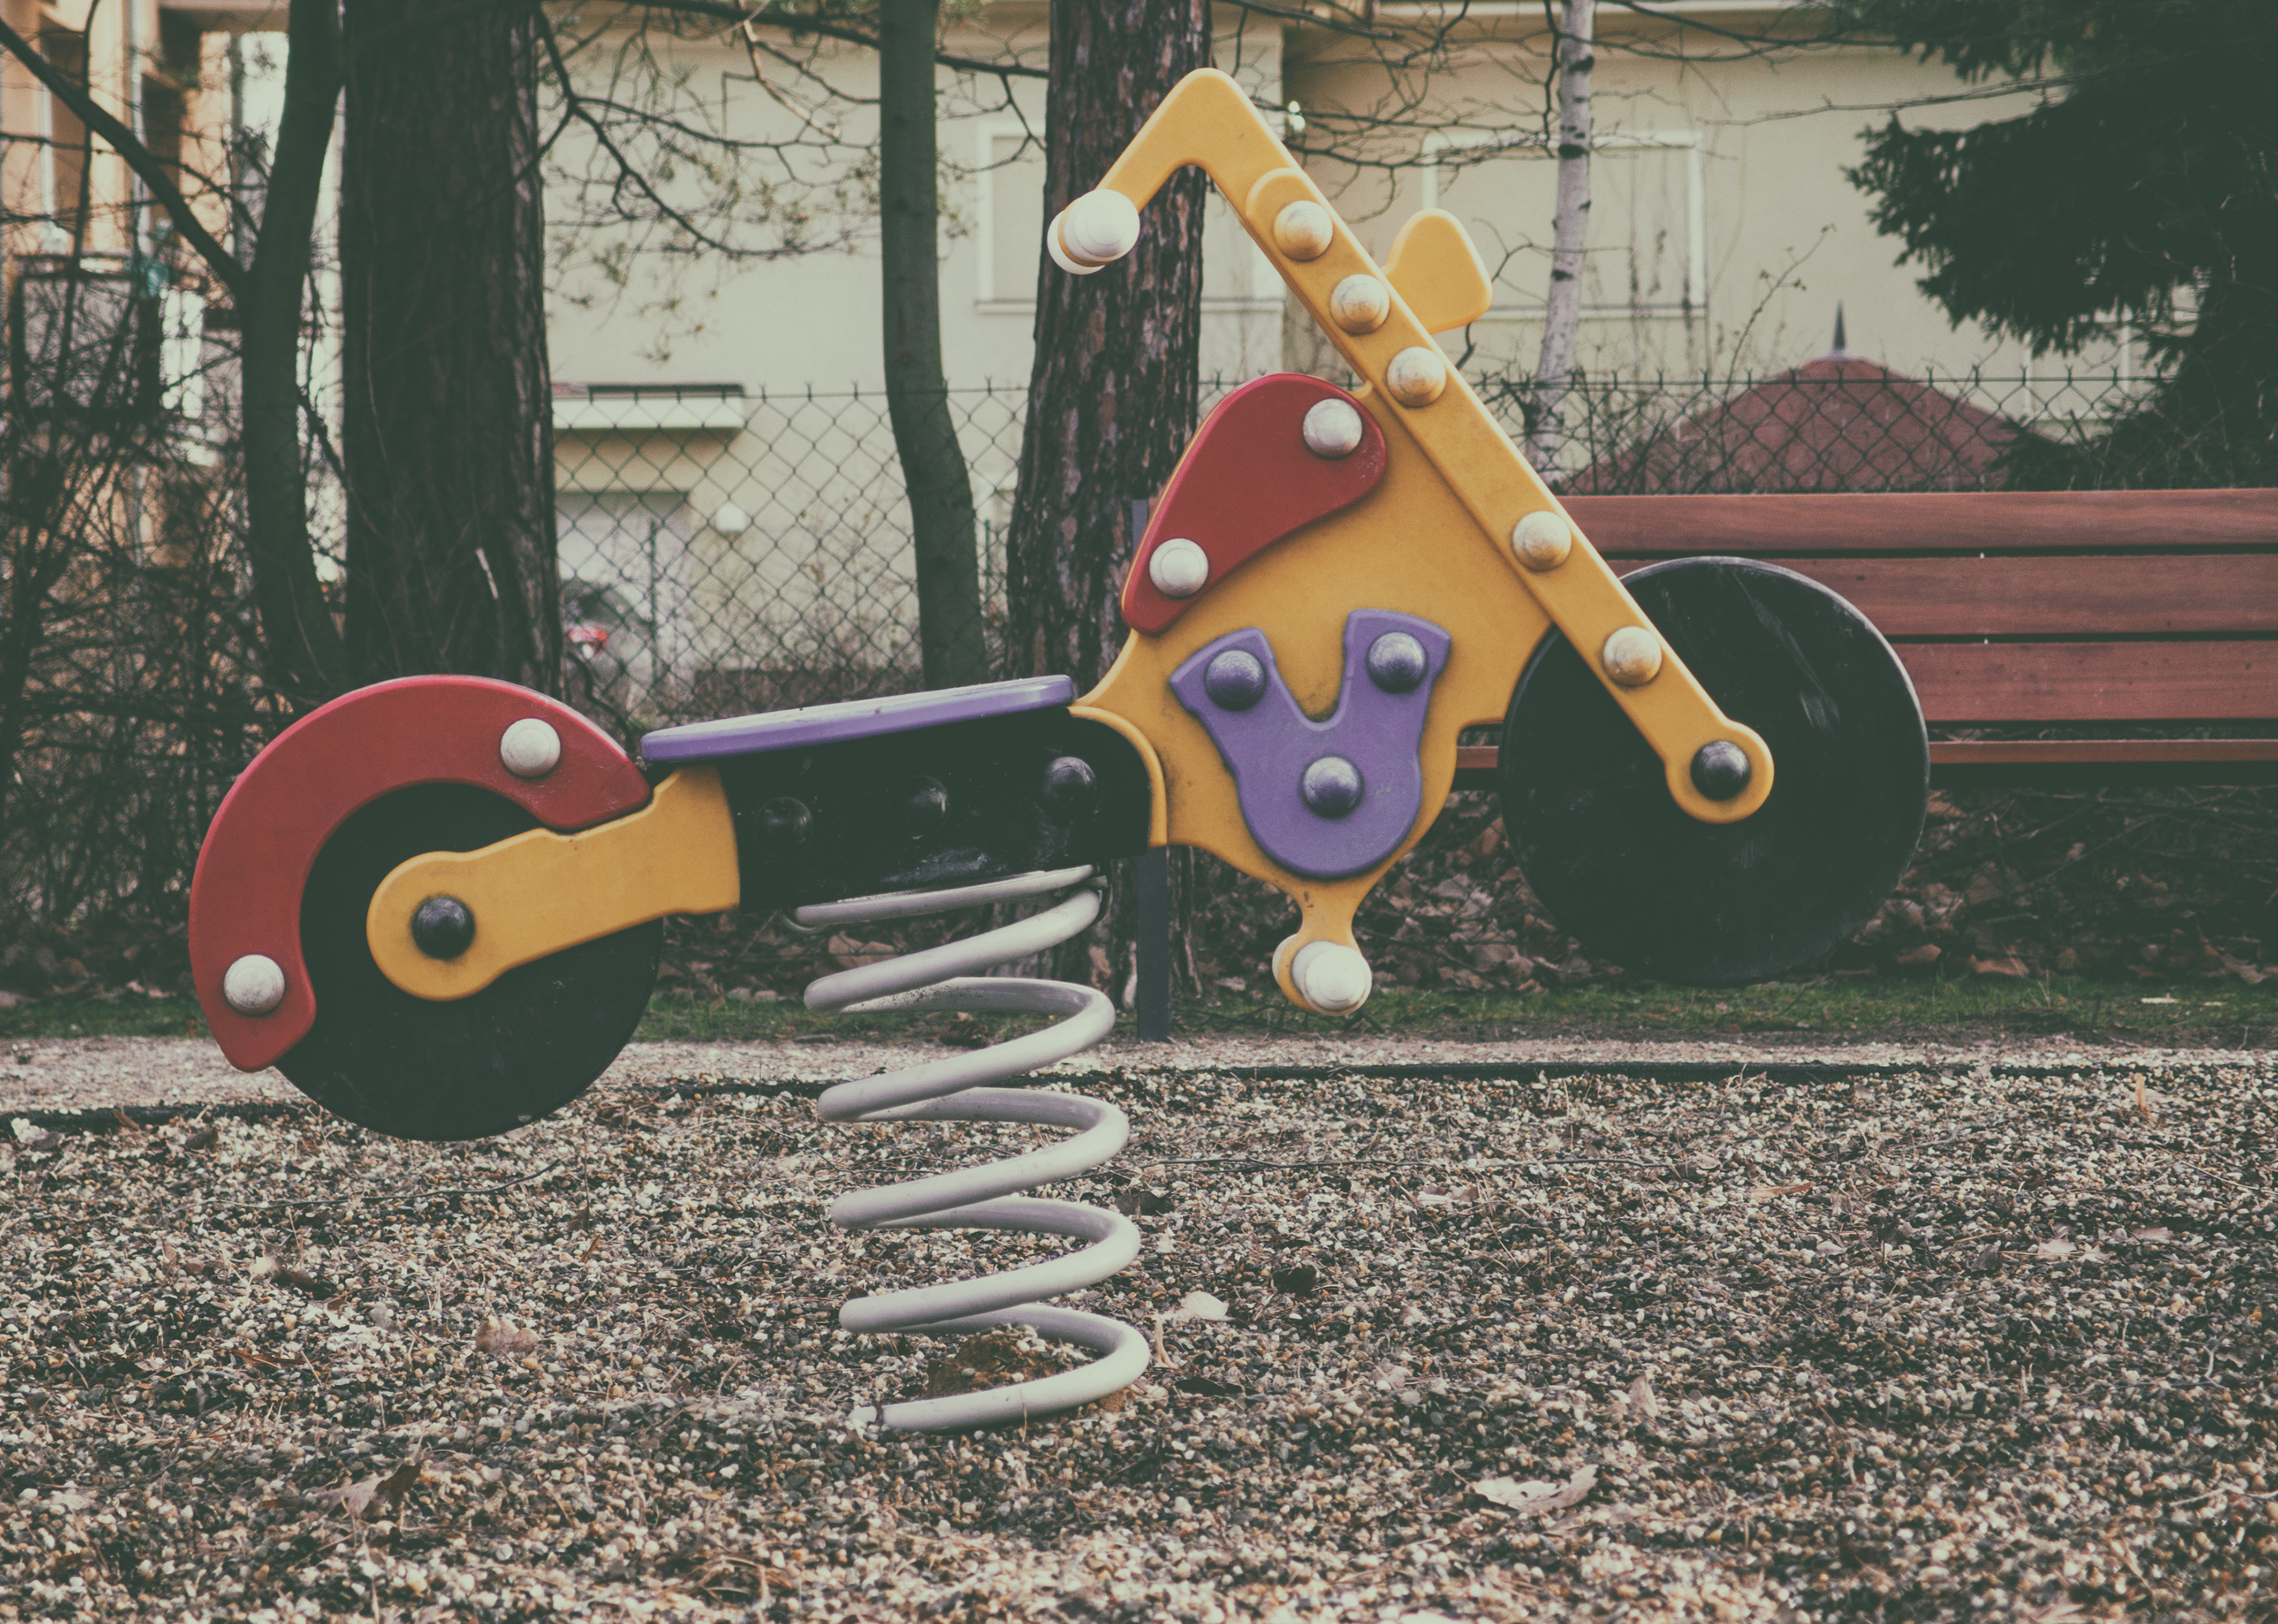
{"x": 520, "y": 1049}
{"x": 1648, "y": 886}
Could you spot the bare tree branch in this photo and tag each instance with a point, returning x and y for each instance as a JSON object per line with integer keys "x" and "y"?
{"x": 808, "y": 22}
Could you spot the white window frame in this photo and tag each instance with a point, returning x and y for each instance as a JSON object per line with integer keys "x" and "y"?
{"x": 1695, "y": 302}
{"x": 986, "y": 134}
{"x": 1264, "y": 292}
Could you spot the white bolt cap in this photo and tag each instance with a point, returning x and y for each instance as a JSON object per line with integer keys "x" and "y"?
{"x": 1360, "y": 304}
{"x": 1633, "y": 656}
{"x": 1098, "y": 227}
{"x": 530, "y": 748}
{"x": 1415, "y": 376}
{"x": 1332, "y": 428}
{"x": 1074, "y": 267}
{"x": 1178, "y": 568}
{"x": 1543, "y": 539}
{"x": 254, "y": 985}
{"x": 1304, "y": 230}
{"x": 1334, "y": 979}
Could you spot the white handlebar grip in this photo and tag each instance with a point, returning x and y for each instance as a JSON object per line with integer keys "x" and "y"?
{"x": 1097, "y": 229}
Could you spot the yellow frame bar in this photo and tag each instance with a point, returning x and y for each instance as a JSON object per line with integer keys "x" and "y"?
{"x": 1208, "y": 121}
{"x": 536, "y": 893}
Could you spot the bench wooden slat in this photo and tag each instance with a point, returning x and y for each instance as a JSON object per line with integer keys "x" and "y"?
{"x": 2035, "y": 752}
{"x": 1934, "y": 521}
{"x": 1967, "y": 684}
{"x": 2040, "y": 597}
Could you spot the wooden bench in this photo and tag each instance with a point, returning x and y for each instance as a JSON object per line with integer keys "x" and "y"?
{"x": 2017, "y": 610}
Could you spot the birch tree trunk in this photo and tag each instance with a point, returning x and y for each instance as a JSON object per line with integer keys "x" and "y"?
{"x": 1561, "y": 314}
{"x": 934, "y": 470}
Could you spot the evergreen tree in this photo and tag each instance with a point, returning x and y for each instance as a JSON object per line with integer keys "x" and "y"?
{"x": 2142, "y": 189}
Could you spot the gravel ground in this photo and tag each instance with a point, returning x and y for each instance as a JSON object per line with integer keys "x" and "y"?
{"x": 44, "y": 1075}
{"x": 1965, "y": 1340}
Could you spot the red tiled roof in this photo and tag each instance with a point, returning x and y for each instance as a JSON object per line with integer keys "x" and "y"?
{"x": 1839, "y": 422}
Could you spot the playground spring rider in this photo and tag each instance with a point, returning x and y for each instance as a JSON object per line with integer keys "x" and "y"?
{"x": 437, "y": 904}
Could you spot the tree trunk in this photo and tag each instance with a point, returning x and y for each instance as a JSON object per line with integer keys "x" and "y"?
{"x": 447, "y": 432}
{"x": 303, "y": 648}
{"x": 1111, "y": 396}
{"x": 1561, "y": 314}
{"x": 917, "y": 394}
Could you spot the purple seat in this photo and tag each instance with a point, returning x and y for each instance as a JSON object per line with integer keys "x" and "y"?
{"x": 869, "y": 719}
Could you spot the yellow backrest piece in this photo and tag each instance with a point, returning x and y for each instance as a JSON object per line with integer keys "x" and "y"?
{"x": 1435, "y": 266}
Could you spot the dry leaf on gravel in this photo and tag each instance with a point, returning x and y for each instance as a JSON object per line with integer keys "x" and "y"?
{"x": 31, "y": 1136}
{"x": 994, "y": 1359}
{"x": 356, "y": 1500}
{"x": 1199, "y": 1306}
{"x": 1642, "y": 1404}
{"x": 1442, "y": 1195}
{"x": 1141, "y": 1203}
{"x": 1532, "y": 1497}
{"x": 963, "y": 1031}
{"x": 504, "y": 1339}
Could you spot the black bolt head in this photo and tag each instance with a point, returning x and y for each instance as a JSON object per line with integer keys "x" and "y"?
{"x": 925, "y": 806}
{"x": 1236, "y": 680}
{"x": 1720, "y": 770}
{"x": 1397, "y": 662}
{"x": 443, "y": 927}
{"x": 1071, "y": 787}
{"x": 1332, "y": 786}
{"x": 783, "y": 823}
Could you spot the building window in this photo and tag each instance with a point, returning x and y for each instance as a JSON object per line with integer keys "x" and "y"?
{"x": 63, "y": 160}
{"x": 1647, "y": 253}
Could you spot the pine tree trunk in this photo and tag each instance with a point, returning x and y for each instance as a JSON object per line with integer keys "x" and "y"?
{"x": 934, "y": 473}
{"x": 1111, "y": 394}
{"x": 1562, "y": 315}
{"x": 447, "y": 432}
{"x": 1112, "y": 391}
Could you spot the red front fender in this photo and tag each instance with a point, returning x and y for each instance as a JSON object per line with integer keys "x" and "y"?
{"x": 245, "y": 896}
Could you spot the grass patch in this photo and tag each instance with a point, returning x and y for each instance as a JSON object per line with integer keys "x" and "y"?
{"x": 2208, "y": 1014}
{"x": 117, "y": 1015}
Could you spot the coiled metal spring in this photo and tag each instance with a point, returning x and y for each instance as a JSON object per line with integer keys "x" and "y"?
{"x": 953, "y": 1091}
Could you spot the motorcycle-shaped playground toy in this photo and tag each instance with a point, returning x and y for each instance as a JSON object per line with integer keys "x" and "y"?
{"x": 436, "y": 904}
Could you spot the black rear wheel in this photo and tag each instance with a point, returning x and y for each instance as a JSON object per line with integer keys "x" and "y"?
{"x": 1645, "y": 885}
{"x": 520, "y": 1049}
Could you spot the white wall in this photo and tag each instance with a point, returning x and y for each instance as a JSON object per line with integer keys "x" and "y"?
{"x": 812, "y": 320}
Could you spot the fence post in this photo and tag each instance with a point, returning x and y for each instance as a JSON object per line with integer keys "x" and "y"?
{"x": 1151, "y": 943}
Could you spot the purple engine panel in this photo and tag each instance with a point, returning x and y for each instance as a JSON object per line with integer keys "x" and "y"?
{"x": 1323, "y": 799}
{"x": 816, "y": 724}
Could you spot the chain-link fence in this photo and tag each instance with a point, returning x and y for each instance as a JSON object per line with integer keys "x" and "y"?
{"x": 723, "y": 552}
